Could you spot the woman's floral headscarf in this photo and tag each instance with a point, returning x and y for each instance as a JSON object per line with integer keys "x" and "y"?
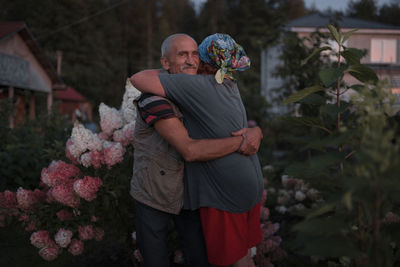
{"x": 222, "y": 52}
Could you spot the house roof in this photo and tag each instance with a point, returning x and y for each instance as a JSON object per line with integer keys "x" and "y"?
{"x": 8, "y": 29}
{"x": 318, "y": 20}
{"x": 69, "y": 94}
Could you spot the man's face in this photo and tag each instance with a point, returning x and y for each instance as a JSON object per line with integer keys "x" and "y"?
{"x": 182, "y": 56}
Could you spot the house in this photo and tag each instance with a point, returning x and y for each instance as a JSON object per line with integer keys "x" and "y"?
{"x": 25, "y": 73}
{"x": 380, "y": 41}
{"x": 73, "y": 104}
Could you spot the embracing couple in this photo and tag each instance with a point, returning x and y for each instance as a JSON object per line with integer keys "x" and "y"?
{"x": 195, "y": 158}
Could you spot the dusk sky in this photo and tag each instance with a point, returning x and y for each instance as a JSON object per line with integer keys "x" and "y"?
{"x": 320, "y": 4}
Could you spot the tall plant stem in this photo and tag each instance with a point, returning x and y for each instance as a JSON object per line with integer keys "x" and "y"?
{"x": 338, "y": 101}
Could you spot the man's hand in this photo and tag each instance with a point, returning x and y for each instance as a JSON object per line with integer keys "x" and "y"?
{"x": 251, "y": 140}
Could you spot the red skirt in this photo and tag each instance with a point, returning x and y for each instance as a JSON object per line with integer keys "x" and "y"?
{"x": 228, "y": 235}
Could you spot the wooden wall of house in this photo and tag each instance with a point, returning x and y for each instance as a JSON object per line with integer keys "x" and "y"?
{"x": 15, "y": 46}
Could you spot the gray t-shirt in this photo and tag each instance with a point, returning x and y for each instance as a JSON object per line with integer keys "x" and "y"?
{"x": 232, "y": 183}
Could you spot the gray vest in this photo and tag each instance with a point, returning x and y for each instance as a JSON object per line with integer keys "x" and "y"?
{"x": 157, "y": 170}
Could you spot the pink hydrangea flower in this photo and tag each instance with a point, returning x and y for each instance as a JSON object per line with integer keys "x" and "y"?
{"x": 98, "y": 234}
{"x": 49, "y": 253}
{"x": 63, "y": 237}
{"x": 87, "y": 187}
{"x": 58, "y": 173}
{"x": 125, "y": 135}
{"x": 28, "y": 223}
{"x": 103, "y": 136}
{"x": 137, "y": 255}
{"x": 97, "y": 159}
{"x": 264, "y": 213}
{"x": 8, "y": 200}
{"x": 41, "y": 239}
{"x": 71, "y": 152}
{"x": 65, "y": 194}
{"x": 113, "y": 153}
{"x": 264, "y": 197}
{"x": 76, "y": 247}
{"x": 26, "y": 199}
{"x": 391, "y": 217}
{"x": 64, "y": 215}
{"x": 110, "y": 119}
{"x": 86, "y": 160}
{"x": 86, "y": 232}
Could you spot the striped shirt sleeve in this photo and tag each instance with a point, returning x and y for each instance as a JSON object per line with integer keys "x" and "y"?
{"x": 152, "y": 108}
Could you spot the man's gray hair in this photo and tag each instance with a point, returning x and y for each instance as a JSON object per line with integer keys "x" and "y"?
{"x": 166, "y": 44}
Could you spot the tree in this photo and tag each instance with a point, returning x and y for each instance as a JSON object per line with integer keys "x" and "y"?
{"x": 389, "y": 13}
{"x": 362, "y": 9}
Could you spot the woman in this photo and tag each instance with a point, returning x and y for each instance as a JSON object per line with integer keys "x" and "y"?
{"x": 227, "y": 190}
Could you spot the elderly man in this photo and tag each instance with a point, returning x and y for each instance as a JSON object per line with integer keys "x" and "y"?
{"x": 157, "y": 183}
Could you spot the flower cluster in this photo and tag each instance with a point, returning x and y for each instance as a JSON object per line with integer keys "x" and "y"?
{"x": 268, "y": 249}
{"x": 295, "y": 195}
{"x": 63, "y": 185}
{"x": 107, "y": 147}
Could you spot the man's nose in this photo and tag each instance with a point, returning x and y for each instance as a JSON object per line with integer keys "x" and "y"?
{"x": 190, "y": 60}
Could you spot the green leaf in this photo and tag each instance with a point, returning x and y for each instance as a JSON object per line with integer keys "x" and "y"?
{"x": 308, "y": 121}
{"x": 313, "y": 99}
{"x": 320, "y": 211}
{"x": 302, "y": 94}
{"x": 335, "y": 34}
{"x": 315, "y": 52}
{"x": 328, "y": 246}
{"x": 357, "y": 87}
{"x": 352, "y": 56}
{"x": 322, "y": 226}
{"x": 348, "y": 34}
{"x": 330, "y": 76}
{"x": 363, "y": 73}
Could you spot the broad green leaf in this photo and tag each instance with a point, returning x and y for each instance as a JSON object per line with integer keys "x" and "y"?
{"x": 335, "y": 34}
{"x": 362, "y": 73}
{"x": 313, "y": 99}
{"x": 315, "y": 52}
{"x": 348, "y": 34}
{"x": 317, "y": 165}
{"x": 329, "y": 246}
{"x": 357, "y": 87}
{"x": 352, "y": 56}
{"x": 331, "y": 75}
{"x": 308, "y": 121}
{"x": 320, "y": 211}
{"x": 302, "y": 94}
{"x": 322, "y": 226}
{"x": 347, "y": 200}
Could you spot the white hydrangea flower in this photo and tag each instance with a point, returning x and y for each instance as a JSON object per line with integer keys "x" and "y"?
{"x": 110, "y": 119}
{"x": 128, "y": 108}
{"x": 95, "y": 143}
{"x": 281, "y": 209}
{"x": 299, "y": 196}
{"x": 80, "y": 138}
{"x": 86, "y": 160}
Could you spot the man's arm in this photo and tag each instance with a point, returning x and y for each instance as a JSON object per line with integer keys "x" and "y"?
{"x": 147, "y": 81}
{"x": 173, "y": 131}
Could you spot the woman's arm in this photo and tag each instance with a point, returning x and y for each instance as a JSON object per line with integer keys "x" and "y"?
{"x": 147, "y": 81}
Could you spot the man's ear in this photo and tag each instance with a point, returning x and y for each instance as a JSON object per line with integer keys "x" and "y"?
{"x": 165, "y": 63}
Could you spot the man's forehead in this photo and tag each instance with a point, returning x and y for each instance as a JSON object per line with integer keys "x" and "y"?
{"x": 184, "y": 43}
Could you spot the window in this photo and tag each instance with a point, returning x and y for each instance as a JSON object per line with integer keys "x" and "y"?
{"x": 384, "y": 50}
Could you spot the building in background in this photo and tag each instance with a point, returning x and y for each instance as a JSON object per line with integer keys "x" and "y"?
{"x": 380, "y": 41}
{"x": 25, "y": 72}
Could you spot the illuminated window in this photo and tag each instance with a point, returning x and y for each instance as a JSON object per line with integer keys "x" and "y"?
{"x": 384, "y": 50}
